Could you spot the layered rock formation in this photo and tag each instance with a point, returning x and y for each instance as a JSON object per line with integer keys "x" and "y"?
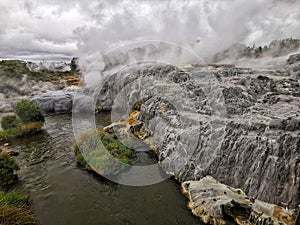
{"x": 239, "y": 125}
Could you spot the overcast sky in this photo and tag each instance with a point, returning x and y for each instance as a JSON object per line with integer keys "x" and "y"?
{"x": 58, "y": 29}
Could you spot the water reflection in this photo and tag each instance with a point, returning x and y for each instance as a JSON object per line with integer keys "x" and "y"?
{"x": 64, "y": 194}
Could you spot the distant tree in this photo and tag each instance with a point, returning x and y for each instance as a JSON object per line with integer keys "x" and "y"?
{"x": 74, "y": 65}
{"x": 265, "y": 48}
{"x": 258, "y": 52}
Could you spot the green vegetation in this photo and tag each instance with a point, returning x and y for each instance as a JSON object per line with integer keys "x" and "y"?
{"x": 9, "y": 122}
{"x": 15, "y": 210}
{"x": 17, "y": 68}
{"x": 14, "y": 205}
{"x": 8, "y": 167}
{"x": 10, "y": 133}
{"x": 13, "y": 215}
{"x": 14, "y": 197}
{"x": 28, "y": 112}
{"x": 29, "y": 118}
{"x": 98, "y": 159}
{"x": 13, "y": 68}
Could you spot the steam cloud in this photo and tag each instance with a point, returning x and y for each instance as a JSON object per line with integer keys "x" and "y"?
{"x": 216, "y": 24}
{"x": 207, "y": 27}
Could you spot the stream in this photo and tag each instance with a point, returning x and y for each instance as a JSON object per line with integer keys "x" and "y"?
{"x": 64, "y": 194}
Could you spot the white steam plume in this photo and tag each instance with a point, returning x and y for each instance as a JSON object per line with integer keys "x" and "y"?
{"x": 208, "y": 27}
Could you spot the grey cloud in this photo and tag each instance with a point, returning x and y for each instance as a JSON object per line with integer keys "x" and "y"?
{"x": 78, "y": 27}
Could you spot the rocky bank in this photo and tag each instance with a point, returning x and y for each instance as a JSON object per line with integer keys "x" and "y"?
{"x": 50, "y": 84}
{"x": 243, "y": 129}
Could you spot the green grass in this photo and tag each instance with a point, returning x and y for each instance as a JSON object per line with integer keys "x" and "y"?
{"x": 15, "y": 210}
{"x": 23, "y": 128}
{"x": 10, "y": 133}
{"x": 97, "y": 158}
{"x": 14, "y": 205}
{"x": 15, "y": 198}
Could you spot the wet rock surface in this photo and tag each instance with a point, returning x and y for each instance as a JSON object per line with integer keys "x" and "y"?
{"x": 55, "y": 102}
{"x": 239, "y": 125}
{"x": 216, "y": 203}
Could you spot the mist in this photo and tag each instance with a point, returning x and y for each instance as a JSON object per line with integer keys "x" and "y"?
{"x": 207, "y": 27}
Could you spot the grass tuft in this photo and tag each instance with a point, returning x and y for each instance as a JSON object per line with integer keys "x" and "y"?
{"x": 15, "y": 198}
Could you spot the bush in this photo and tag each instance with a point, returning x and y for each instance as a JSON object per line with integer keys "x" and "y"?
{"x": 8, "y": 122}
{"x": 28, "y": 111}
{"x": 29, "y": 118}
{"x": 8, "y": 166}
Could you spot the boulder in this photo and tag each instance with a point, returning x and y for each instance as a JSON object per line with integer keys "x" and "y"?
{"x": 216, "y": 203}
{"x": 55, "y": 102}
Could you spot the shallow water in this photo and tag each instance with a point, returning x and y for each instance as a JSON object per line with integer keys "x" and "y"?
{"x": 63, "y": 194}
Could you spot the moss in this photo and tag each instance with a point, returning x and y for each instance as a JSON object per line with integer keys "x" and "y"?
{"x": 80, "y": 159}
{"x": 98, "y": 159}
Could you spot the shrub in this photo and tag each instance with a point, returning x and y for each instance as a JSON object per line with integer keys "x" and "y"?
{"x": 8, "y": 122}
{"x": 8, "y": 166}
{"x": 74, "y": 65}
{"x": 28, "y": 118}
{"x": 28, "y": 111}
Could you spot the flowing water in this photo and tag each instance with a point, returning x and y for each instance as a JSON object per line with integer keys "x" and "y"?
{"x": 63, "y": 194}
